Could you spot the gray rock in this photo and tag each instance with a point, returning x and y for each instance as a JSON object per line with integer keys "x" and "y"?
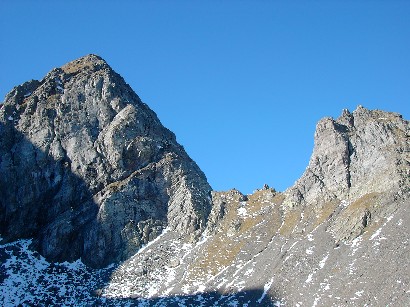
{"x": 357, "y": 154}
{"x": 88, "y": 170}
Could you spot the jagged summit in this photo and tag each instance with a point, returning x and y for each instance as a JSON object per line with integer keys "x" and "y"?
{"x": 90, "y": 62}
{"x": 87, "y": 64}
{"x": 355, "y": 154}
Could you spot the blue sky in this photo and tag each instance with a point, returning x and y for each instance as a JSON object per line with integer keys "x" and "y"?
{"x": 241, "y": 83}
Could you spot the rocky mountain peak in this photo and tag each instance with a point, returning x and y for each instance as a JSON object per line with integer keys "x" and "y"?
{"x": 88, "y": 170}
{"x": 356, "y": 154}
{"x": 86, "y": 64}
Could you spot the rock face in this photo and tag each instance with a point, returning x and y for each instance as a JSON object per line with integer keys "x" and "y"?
{"x": 359, "y": 153}
{"x": 88, "y": 170}
{"x": 361, "y": 158}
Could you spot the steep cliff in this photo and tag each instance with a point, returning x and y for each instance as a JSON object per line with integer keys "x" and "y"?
{"x": 356, "y": 154}
{"x": 361, "y": 158}
{"x": 88, "y": 170}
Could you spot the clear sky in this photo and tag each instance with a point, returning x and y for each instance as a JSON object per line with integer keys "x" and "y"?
{"x": 241, "y": 83}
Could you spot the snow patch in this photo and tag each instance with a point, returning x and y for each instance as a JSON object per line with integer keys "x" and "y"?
{"x": 356, "y": 242}
{"x": 290, "y": 248}
{"x": 242, "y": 212}
{"x": 344, "y": 203}
{"x": 30, "y": 280}
{"x": 317, "y": 298}
{"x": 74, "y": 266}
{"x": 309, "y": 250}
{"x": 355, "y": 245}
{"x": 323, "y": 261}
{"x": 249, "y": 272}
{"x": 201, "y": 289}
{"x": 352, "y": 267}
{"x": 266, "y": 288}
{"x": 376, "y": 234}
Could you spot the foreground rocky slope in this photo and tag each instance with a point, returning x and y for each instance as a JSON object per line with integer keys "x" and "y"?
{"x": 338, "y": 237}
{"x": 88, "y": 171}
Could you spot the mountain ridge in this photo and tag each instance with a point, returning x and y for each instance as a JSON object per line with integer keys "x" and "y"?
{"x": 338, "y": 236}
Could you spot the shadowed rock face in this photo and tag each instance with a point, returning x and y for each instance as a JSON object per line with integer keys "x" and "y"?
{"x": 88, "y": 170}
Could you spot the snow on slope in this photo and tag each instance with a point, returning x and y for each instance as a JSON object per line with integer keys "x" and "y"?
{"x": 27, "y": 278}
{"x": 263, "y": 261}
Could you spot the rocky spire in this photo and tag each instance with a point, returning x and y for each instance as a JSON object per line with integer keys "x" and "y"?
{"x": 88, "y": 170}
{"x": 356, "y": 154}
